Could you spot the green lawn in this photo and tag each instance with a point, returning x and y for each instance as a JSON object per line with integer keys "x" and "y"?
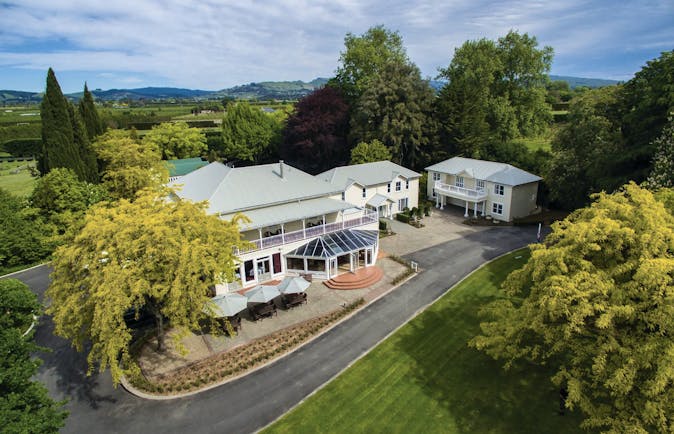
{"x": 425, "y": 379}
{"x": 19, "y": 184}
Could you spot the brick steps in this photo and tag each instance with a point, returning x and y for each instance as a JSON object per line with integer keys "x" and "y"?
{"x": 362, "y": 278}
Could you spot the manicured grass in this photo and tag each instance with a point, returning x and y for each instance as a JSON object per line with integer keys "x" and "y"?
{"x": 426, "y": 379}
{"x": 19, "y": 184}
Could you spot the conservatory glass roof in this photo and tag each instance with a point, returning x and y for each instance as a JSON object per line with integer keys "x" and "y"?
{"x": 336, "y": 244}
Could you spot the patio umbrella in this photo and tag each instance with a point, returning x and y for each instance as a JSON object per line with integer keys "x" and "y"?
{"x": 293, "y": 285}
{"x": 262, "y": 294}
{"x": 229, "y": 304}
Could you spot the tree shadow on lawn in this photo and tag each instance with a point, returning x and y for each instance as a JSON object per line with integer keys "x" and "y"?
{"x": 472, "y": 387}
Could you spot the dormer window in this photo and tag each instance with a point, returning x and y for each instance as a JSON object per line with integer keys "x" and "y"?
{"x": 364, "y": 192}
{"x": 388, "y": 188}
{"x": 407, "y": 184}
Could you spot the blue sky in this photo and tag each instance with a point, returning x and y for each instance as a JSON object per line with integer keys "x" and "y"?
{"x": 210, "y": 44}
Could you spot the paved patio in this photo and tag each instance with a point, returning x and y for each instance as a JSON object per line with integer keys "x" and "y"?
{"x": 440, "y": 227}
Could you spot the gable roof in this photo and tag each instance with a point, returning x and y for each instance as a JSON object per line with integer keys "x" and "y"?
{"x": 184, "y": 166}
{"x": 366, "y": 174}
{"x": 492, "y": 171}
{"x": 230, "y": 190}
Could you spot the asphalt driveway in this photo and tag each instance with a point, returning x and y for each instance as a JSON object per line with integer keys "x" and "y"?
{"x": 247, "y": 404}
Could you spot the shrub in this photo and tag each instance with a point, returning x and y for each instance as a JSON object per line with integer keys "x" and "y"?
{"x": 403, "y": 217}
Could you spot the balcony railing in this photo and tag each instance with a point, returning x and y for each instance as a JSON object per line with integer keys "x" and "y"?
{"x": 460, "y": 192}
{"x": 314, "y": 231}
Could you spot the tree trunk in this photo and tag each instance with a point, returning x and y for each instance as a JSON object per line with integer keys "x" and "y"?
{"x": 160, "y": 332}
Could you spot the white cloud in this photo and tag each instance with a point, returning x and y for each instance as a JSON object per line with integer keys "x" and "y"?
{"x": 213, "y": 44}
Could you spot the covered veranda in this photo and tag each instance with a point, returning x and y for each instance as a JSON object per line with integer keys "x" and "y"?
{"x": 324, "y": 256}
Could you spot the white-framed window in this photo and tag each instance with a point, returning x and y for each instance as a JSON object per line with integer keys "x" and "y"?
{"x": 364, "y": 192}
{"x": 499, "y": 189}
{"x": 388, "y": 188}
{"x": 497, "y": 208}
{"x": 436, "y": 176}
{"x": 479, "y": 183}
{"x": 344, "y": 196}
{"x": 402, "y": 204}
{"x": 459, "y": 181}
{"x": 398, "y": 185}
{"x": 407, "y": 184}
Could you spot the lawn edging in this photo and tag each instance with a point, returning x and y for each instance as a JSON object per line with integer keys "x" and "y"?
{"x": 129, "y": 387}
{"x": 394, "y": 331}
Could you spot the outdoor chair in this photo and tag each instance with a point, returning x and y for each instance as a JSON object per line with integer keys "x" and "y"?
{"x": 292, "y": 300}
{"x": 262, "y": 310}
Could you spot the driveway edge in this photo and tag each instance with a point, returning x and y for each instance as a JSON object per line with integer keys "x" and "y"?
{"x": 135, "y": 391}
{"x": 414, "y": 315}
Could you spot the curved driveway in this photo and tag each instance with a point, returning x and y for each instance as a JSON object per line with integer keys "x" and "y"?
{"x": 247, "y": 404}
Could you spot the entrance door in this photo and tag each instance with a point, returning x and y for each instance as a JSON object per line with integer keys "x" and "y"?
{"x": 332, "y": 269}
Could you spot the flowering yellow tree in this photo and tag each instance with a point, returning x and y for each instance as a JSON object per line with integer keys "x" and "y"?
{"x": 151, "y": 253}
{"x": 596, "y": 302}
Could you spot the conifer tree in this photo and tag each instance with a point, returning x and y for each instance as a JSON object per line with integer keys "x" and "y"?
{"x": 82, "y": 144}
{"x": 92, "y": 121}
{"x": 58, "y": 149}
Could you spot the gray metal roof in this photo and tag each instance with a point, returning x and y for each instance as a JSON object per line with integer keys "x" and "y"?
{"x": 230, "y": 190}
{"x": 336, "y": 244}
{"x": 366, "y": 174}
{"x": 288, "y": 212}
{"x": 492, "y": 171}
{"x": 378, "y": 200}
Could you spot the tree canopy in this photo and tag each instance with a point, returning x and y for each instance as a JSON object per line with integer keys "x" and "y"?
{"x": 596, "y": 302}
{"x": 662, "y": 174}
{"x": 396, "y": 109}
{"x": 23, "y": 236}
{"x": 128, "y": 165}
{"x": 25, "y": 405}
{"x": 64, "y": 139}
{"x": 249, "y": 134}
{"x": 495, "y": 92}
{"x": 153, "y": 253}
{"x": 315, "y": 136}
{"x": 176, "y": 140}
{"x": 364, "y": 58}
{"x": 365, "y": 152}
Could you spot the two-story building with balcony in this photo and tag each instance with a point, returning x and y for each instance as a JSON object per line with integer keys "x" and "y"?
{"x": 485, "y": 188}
{"x": 298, "y": 224}
{"x": 382, "y": 186}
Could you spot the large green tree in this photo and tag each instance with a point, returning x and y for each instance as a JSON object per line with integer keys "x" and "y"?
{"x": 647, "y": 102}
{"x": 23, "y": 235}
{"x": 249, "y": 134}
{"x": 396, "y": 109}
{"x": 596, "y": 302}
{"x": 129, "y": 165}
{"x": 365, "y": 152}
{"x": 89, "y": 113}
{"x": 495, "y": 92}
{"x": 176, "y": 140}
{"x": 25, "y": 406}
{"x": 64, "y": 139}
{"x": 662, "y": 174}
{"x": 586, "y": 148}
{"x": 160, "y": 255}
{"x": 364, "y": 57}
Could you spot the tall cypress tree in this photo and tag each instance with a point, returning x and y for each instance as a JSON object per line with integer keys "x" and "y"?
{"x": 83, "y": 145}
{"x": 87, "y": 109}
{"x": 58, "y": 139}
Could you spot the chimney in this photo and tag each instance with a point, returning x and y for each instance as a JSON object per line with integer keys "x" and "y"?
{"x": 280, "y": 164}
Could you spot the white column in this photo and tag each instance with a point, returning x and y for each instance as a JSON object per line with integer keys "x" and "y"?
{"x": 475, "y": 210}
{"x": 304, "y": 228}
{"x": 437, "y": 199}
{"x": 260, "y": 232}
{"x": 442, "y": 202}
{"x": 283, "y": 234}
{"x": 323, "y": 223}
{"x": 342, "y": 212}
{"x": 466, "y": 213}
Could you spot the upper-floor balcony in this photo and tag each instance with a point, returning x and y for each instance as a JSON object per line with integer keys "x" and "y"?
{"x": 310, "y": 231}
{"x": 472, "y": 195}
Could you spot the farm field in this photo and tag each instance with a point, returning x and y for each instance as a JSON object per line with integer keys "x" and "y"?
{"x": 20, "y": 183}
{"x": 425, "y": 378}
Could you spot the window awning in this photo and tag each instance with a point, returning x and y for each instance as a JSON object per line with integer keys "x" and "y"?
{"x": 378, "y": 200}
{"x": 336, "y": 244}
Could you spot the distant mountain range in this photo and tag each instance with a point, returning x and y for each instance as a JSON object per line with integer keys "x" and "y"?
{"x": 278, "y": 90}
